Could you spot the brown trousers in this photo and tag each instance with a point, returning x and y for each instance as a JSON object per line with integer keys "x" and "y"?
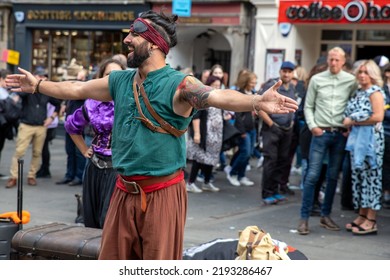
{"x": 156, "y": 234}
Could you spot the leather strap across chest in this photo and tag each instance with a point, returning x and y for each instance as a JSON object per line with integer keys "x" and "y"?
{"x": 164, "y": 127}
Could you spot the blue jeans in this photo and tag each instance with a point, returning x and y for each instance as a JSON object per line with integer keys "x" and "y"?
{"x": 75, "y": 160}
{"x": 255, "y": 152}
{"x": 222, "y": 158}
{"x": 88, "y": 142}
{"x": 334, "y": 142}
{"x": 244, "y": 152}
{"x": 304, "y": 167}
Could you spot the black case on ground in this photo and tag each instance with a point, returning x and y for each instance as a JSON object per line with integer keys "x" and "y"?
{"x": 7, "y": 226}
{"x": 7, "y": 231}
{"x": 57, "y": 241}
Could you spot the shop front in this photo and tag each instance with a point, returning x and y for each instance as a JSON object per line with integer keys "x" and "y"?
{"x": 305, "y": 30}
{"x": 50, "y": 36}
{"x": 5, "y": 30}
{"x": 216, "y": 32}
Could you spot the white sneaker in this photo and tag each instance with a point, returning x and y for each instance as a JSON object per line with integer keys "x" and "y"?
{"x": 246, "y": 182}
{"x": 200, "y": 178}
{"x": 193, "y": 188}
{"x": 210, "y": 187}
{"x": 296, "y": 171}
{"x": 233, "y": 180}
{"x": 260, "y": 162}
{"x": 227, "y": 169}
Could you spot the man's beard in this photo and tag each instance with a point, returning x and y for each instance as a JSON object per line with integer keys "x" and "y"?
{"x": 140, "y": 54}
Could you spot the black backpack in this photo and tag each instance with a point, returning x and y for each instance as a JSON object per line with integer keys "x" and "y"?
{"x": 10, "y": 110}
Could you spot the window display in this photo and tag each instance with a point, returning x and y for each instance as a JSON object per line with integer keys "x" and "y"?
{"x": 54, "y": 49}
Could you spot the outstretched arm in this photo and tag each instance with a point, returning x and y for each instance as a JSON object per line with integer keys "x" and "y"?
{"x": 191, "y": 93}
{"x": 70, "y": 90}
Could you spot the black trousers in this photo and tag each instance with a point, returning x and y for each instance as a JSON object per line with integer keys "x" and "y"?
{"x": 206, "y": 169}
{"x": 291, "y": 154}
{"x": 2, "y": 140}
{"x": 386, "y": 166}
{"x": 276, "y": 147}
{"x": 45, "y": 166}
{"x": 6, "y": 132}
{"x": 346, "y": 190}
{"x": 98, "y": 186}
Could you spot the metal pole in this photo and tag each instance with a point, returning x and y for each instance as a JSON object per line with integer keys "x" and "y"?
{"x": 20, "y": 191}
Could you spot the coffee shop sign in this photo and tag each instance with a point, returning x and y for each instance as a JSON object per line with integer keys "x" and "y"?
{"x": 340, "y": 11}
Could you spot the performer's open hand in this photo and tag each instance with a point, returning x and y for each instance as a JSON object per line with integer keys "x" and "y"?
{"x": 273, "y": 102}
{"x": 25, "y": 82}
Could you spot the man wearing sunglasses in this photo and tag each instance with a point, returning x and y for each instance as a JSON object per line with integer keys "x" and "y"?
{"x": 149, "y": 205}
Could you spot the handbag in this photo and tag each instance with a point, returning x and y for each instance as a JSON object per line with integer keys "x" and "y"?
{"x": 256, "y": 244}
{"x": 231, "y": 136}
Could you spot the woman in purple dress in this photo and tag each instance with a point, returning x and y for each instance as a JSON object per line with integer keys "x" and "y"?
{"x": 99, "y": 177}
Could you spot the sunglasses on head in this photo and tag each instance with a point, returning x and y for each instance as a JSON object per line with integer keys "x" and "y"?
{"x": 138, "y": 27}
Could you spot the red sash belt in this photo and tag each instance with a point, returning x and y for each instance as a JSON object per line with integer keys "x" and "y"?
{"x": 146, "y": 184}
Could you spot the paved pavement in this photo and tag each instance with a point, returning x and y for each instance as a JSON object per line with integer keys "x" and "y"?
{"x": 210, "y": 215}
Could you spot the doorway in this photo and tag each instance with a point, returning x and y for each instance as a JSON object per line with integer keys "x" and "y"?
{"x": 370, "y": 52}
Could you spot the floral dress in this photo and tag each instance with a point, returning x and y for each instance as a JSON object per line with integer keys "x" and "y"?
{"x": 210, "y": 155}
{"x": 367, "y": 178}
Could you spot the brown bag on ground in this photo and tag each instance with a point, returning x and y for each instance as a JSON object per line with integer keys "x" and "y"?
{"x": 256, "y": 244}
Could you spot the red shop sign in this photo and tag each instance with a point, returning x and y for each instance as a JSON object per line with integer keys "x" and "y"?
{"x": 340, "y": 11}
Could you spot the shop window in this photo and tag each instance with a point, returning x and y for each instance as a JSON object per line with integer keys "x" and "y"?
{"x": 339, "y": 35}
{"x": 81, "y": 48}
{"x": 326, "y": 47}
{"x": 54, "y": 49}
{"x": 346, "y": 47}
{"x": 40, "y": 49}
{"x": 373, "y": 35}
{"x": 59, "y": 53}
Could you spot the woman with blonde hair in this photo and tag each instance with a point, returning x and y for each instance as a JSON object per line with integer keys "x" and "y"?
{"x": 363, "y": 116}
{"x": 301, "y": 73}
{"x": 240, "y": 73}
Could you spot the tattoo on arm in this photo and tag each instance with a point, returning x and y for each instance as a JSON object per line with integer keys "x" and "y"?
{"x": 194, "y": 92}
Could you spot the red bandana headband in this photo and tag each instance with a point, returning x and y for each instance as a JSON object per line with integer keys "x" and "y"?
{"x": 150, "y": 34}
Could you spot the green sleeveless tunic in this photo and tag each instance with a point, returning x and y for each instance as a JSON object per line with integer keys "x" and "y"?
{"x": 136, "y": 150}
